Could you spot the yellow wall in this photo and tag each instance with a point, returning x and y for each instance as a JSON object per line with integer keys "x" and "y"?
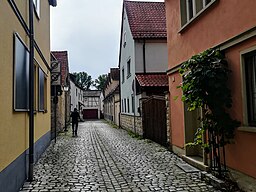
{"x": 14, "y": 125}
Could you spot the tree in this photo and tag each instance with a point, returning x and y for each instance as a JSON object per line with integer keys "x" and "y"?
{"x": 100, "y": 82}
{"x": 83, "y": 80}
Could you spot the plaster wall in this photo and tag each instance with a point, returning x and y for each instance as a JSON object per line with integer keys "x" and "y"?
{"x": 127, "y": 52}
{"x": 156, "y": 57}
{"x": 215, "y": 25}
{"x": 219, "y": 22}
{"x": 14, "y": 125}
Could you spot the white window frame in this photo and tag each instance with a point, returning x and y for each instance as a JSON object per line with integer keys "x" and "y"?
{"x": 195, "y": 14}
{"x": 37, "y": 7}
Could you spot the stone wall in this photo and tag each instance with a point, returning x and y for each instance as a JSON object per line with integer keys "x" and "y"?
{"x": 127, "y": 122}
{"x": 168, "y": 117}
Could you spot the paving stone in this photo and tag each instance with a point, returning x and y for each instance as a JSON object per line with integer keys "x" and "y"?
{"x": 104, "y": 159}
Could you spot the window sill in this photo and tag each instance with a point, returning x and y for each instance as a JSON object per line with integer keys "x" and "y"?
{"x": 247, "y": 129}
{"x": 196, "y": 16}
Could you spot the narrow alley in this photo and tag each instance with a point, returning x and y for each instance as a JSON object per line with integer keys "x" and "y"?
{"x": 103, "y": 158}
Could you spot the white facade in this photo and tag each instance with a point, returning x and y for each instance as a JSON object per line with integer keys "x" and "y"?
{"x": 93, "y": 100}
{"x": 127, "y": 52}
{"x": 76, "y": 97}
{"x": 153, "y": 59}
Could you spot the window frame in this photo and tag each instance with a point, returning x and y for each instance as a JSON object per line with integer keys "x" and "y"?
{"x": 42, "y": 107}
{"x": 195, "y": 13}
{"x": 128, "y": 105}
{"x": 123, "y": 75}
{"x": 25, "y": 107}
{"x": 246, "y": 113}
{"x": 128, "y": 63}
{"x": 124, "y": 38}
{"x": 37, "y": 4}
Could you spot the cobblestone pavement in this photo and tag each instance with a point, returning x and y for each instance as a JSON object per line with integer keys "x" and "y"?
{"x": 103, "y": 158}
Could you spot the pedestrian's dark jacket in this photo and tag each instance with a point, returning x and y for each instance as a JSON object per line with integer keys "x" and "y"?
{"x": 75, "y": 116}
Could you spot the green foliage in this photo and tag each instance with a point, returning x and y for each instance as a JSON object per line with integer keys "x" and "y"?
{"x": 83, "y": 80}
{"x": 134, "y": 135}
{"x": 204, "y": 85}
{"x": 100, "y": 82}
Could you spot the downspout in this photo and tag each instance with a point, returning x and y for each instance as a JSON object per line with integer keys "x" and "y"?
{"x": 31, "y": 91}
{"x": 144, "y": 57}
{"x": 134, "y": 115}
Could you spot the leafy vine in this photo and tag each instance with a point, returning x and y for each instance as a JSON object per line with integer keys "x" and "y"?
{"x": 204, "y": 85}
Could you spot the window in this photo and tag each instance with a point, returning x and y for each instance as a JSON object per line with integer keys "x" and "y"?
{"x": 124, "y": 39}
{"x": 128, "y": 105}
{"x": 250, "y": 79}
{"x": 192, "y": 8}
{"x": 37, "y": 7}
{"x": 128, "y": 68}
{"x": 122, "y": 105}
{"x": 125, "y": 105}
{"x": 21, "y": 75}
{"x": 123, "y": 75}
{"x": 42, "y": 87}
{"x": 133, "y": 103}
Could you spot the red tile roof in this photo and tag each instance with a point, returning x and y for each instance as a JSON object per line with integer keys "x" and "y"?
{"x": 62, "y": 57}
{"x": 152, "y": 80}
{"x": 146, "y": 19}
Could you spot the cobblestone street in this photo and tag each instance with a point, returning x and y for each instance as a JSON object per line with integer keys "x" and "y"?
{"x": 103, "y": 158}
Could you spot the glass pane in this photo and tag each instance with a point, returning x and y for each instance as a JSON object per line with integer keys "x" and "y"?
{"x": 199, "y": 5}
{"x": 21, "y": 76}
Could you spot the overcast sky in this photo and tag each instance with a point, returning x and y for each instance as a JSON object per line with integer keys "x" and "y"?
{"x": 90, "y": 31}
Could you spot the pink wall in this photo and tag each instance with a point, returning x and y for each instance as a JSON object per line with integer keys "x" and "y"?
{"x": 222, "y": 21}
{"x": 241, "y": 155}
{"x": 177, "y": 111}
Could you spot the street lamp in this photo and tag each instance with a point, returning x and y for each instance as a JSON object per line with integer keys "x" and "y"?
{"x": 66, "y": 89}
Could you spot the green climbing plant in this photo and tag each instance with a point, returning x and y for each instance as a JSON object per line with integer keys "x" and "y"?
{"x": 204, "y": 85}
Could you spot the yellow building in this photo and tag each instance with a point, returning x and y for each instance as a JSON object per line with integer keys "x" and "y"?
{"x": 14, "y": 88}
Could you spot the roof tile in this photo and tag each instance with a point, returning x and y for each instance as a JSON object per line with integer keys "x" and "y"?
{"x": 152, "y": 80}
{"x": 62, "y": 57}
{"x": 146, "y": 19}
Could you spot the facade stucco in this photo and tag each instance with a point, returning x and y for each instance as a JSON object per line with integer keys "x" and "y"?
{"x": 156, "y": 56}
{"x": 215, "y": 26}
{"x": 14, "y": 125}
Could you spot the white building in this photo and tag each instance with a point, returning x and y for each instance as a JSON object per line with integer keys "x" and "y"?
{"x": 143, "y": 52}
{"x": 93, "y": 104}
{"x": 76, "y": 96}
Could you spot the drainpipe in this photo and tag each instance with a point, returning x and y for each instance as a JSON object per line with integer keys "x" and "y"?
{"x": 144, "y": 57}
{"x": 31, "y": 91}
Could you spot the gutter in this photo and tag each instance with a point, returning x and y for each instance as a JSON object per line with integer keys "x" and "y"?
{"x": 144, "y": 57}
{"x": 31, "y": 91}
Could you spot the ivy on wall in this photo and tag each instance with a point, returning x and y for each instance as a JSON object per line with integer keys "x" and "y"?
{"x": 204, "y": 85}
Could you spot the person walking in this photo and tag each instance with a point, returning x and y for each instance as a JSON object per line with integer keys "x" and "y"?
{"x": 75, "y": 116}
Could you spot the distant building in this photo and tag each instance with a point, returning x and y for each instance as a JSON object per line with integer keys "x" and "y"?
{"x": 76, "y": 95}
{"x": 112, "y": 97}
{"x": 62, "y": 107}
{"x": 93, "y": 104}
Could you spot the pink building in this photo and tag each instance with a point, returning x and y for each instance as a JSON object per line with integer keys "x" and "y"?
{"x": 193, "y": 27}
